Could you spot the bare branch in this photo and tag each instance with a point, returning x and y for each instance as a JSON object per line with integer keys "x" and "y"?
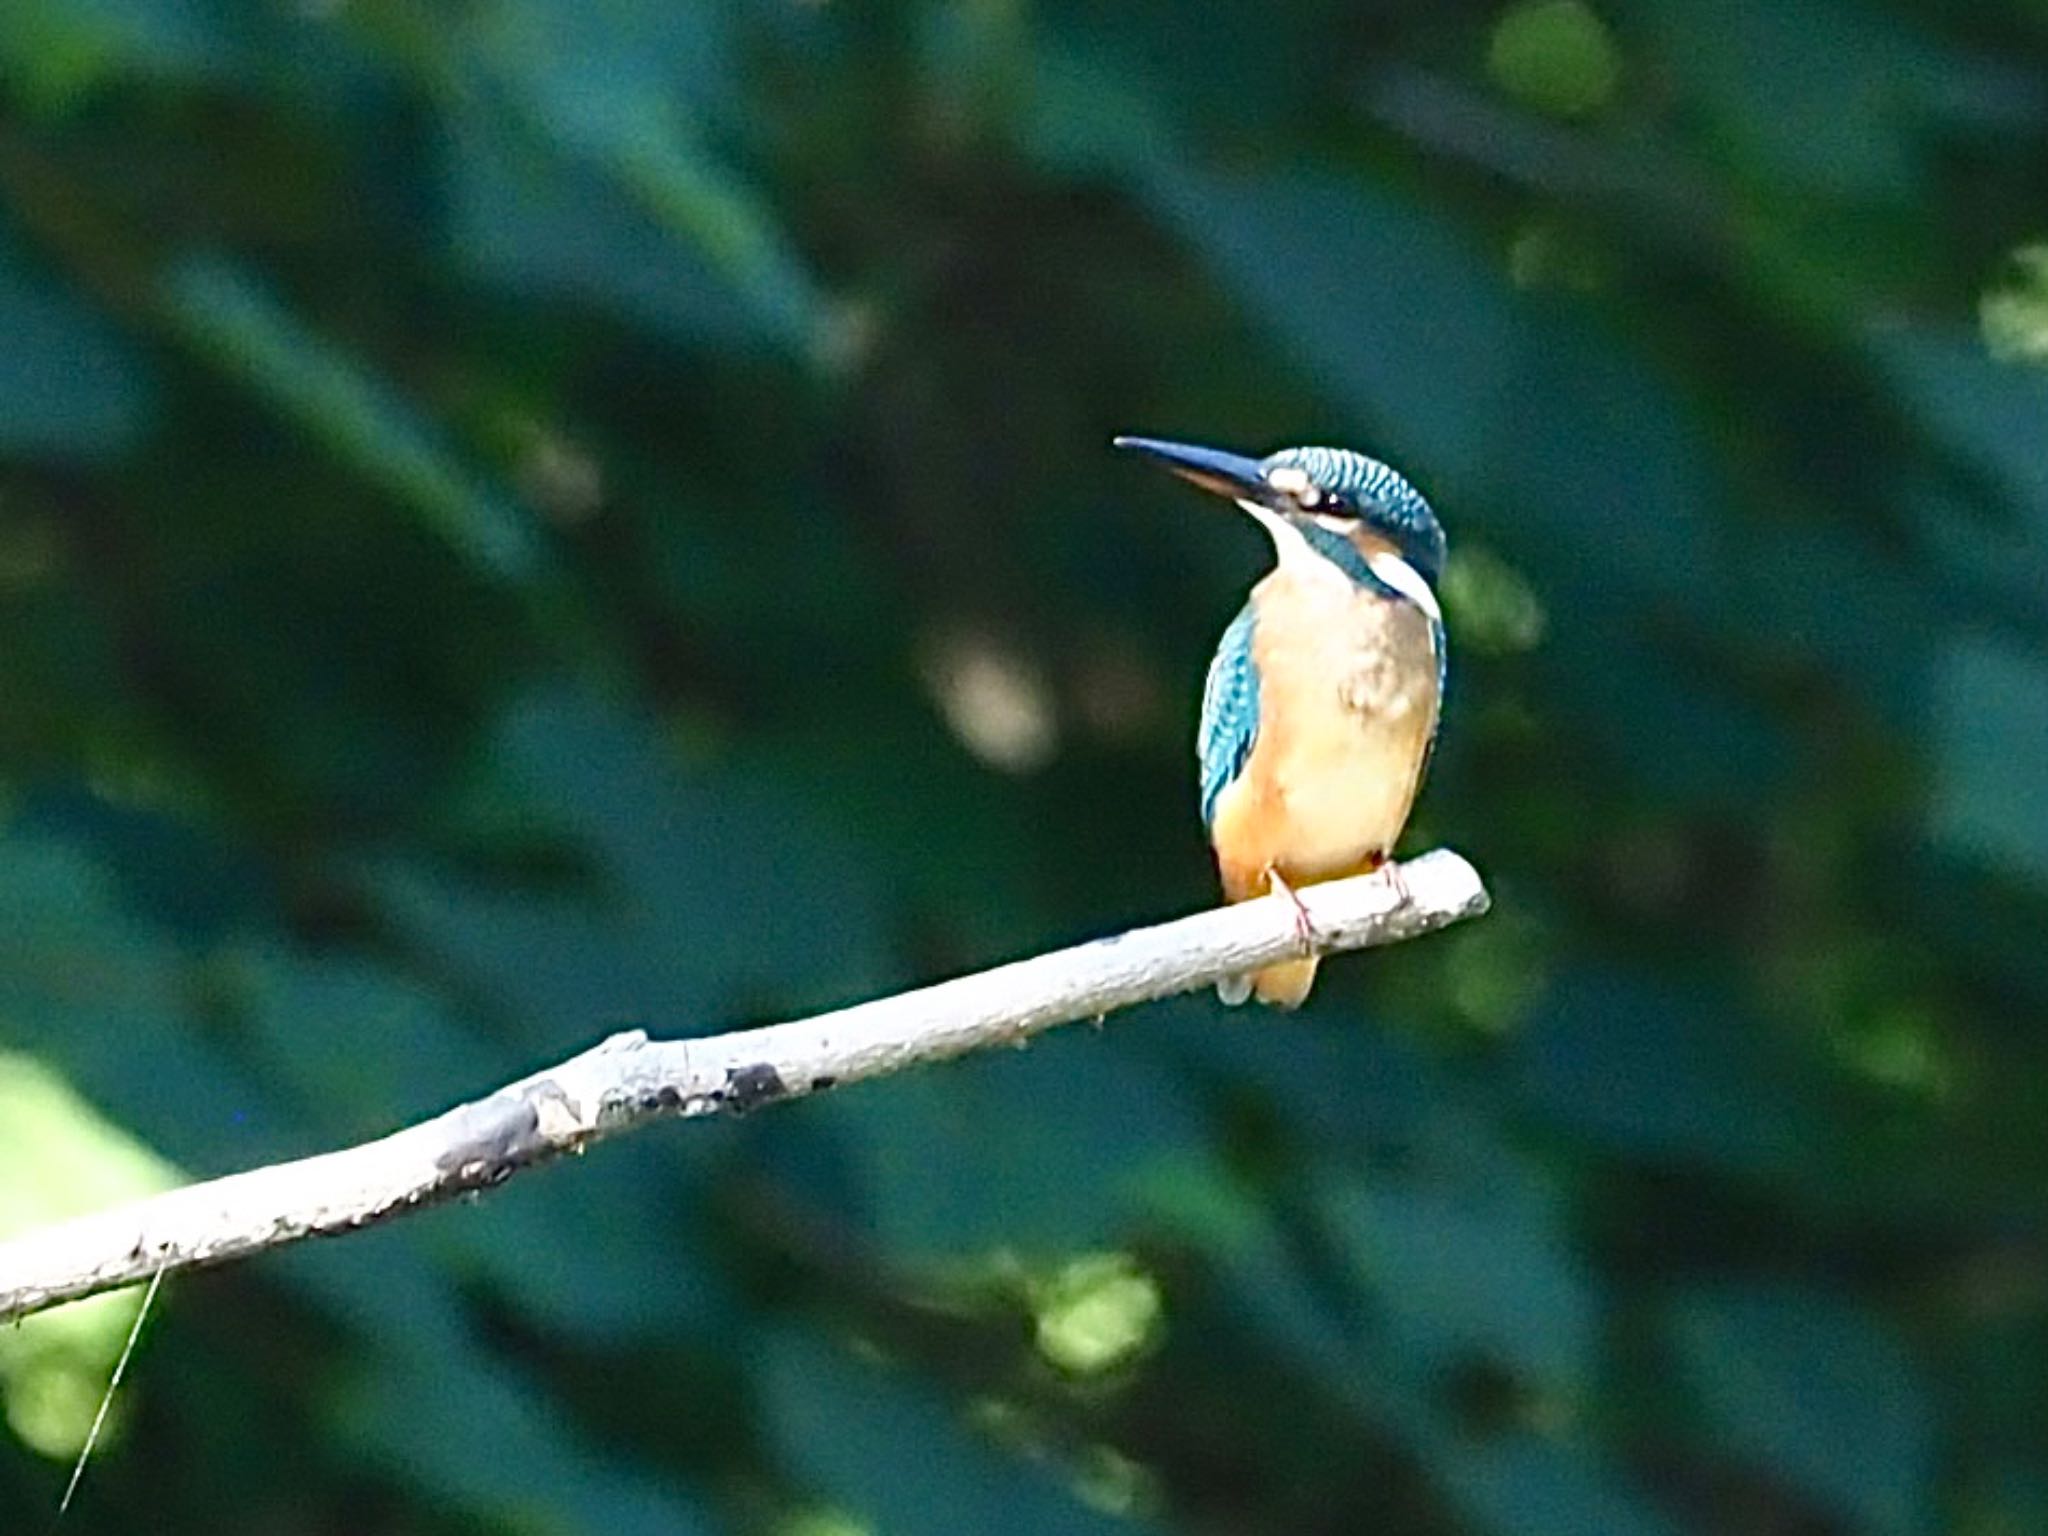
{"x": 629, "y": 1080}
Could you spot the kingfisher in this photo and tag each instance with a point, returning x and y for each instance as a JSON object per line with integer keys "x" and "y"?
{"x": 1320, "y": 709}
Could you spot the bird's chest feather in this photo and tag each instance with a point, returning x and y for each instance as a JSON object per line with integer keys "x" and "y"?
{"x": 1348, "y": 704}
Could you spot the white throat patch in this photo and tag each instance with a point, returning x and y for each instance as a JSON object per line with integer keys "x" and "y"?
{"x": 1297, "y": 556}
{"x": 1406, "y": 580}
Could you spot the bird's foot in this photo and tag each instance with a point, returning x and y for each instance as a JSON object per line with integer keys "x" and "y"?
{"x": 1304, "y": 925}
{"x": 1397, "y": 882}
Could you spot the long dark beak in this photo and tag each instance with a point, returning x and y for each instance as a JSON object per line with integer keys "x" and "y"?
{"x": 1227, "y": 474}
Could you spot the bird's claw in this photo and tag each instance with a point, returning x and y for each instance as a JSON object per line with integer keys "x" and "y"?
{"x": 1397, "y": 883}
{"x": 1304, "y": 925}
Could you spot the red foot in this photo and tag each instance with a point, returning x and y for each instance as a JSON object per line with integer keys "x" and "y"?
{"x": 1304, "y": 925}
{"x": 1398, "y": 883}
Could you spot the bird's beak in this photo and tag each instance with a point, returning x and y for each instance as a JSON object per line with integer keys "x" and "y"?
{"x": 1227, "y": 474}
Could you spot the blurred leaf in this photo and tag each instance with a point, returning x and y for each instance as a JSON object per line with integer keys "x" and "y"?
{"x": 1085, "y": 117}
{"x": 1987, "y": 411}
{"x": 602, "y": 72}
{"x": 626, "y": 92}
{"x": 1673, "y": 732}
{"x": 1634, "y": 513}
{"x": 54, "y": 1366}
{"x": 487, "y": 1443}
{"x": 71, "y": 386}
{"x": 224, "y": 312}
{"x": 1458, "y": 1251}
{"x": 363, "y": 1051}
{"x": 1465, "y": 1273}
{"x": 1489, "y": 603}
{"x": 832, "y": 588}
{"x": 1883, "y": 646}
{"x": 1698, "y": 1082}
{"x": 1339, "y": 1082}
{"x": 1555, "y": 55}
{"x": 1096, "y": 1313}
{"x": 1620, "y": 545}
{"x": 1377, "y": 301}
{"x": 548, "y": 228}
{"x": 1989, "y": 415}
{"x": 2013, "y": 313}
{"x": 432, "y": 1406}
{"x": 1221, "y": 74}
{"x": 850, "y": 753}
{"x": 103, "y": 995}
{"x": 1986, "y": 799}
{"x": 677, "y": 179}
{"x": 1089, "y": 1131}
{"x": 61, "y": 687}
{"x": 55, "y": 52}
{"x": 1826, "y": 95}
{"x": 1816, "y": 1391}
{"x": 613, "y": 1247}
{"x": 1506, "y": 1481}
{"x": 1521, "y": 1485}
{"x": 844, "y": 1425}
{"x": 47, "y": 1125}
{"x": 188, "y": 884}
{"x": 711, "y": 891}
{"x": 75, "y": 962}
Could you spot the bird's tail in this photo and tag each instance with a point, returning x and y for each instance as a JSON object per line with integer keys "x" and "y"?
{"x": 1279, "y": 986}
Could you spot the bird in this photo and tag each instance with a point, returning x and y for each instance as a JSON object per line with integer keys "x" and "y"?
{"x": 1321, "y": 704}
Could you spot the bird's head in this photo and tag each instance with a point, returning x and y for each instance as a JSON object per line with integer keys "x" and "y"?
{"x": 1331, "y": 496}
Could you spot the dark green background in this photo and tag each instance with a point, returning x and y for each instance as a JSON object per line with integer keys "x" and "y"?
{"x": 519, "y": 517}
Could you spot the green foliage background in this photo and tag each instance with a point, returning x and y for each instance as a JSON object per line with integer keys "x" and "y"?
{"x": 523, "y": 516}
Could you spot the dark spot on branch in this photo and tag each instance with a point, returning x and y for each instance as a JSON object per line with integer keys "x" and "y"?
{"x": 503, "y": 1130}
{"x": 655, "y": 1099}
{"x": 823, "y": 1081}
{"x": 752, "y": 1086}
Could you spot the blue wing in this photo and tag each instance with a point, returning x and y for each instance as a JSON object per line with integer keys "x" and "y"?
{"x": 1230, "y": 713}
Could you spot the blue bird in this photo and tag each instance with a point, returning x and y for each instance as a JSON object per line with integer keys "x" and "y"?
{"x": 1320, "y": 710}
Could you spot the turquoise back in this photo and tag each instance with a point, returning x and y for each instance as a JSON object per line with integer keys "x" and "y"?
{"x": 1230, "y": 712}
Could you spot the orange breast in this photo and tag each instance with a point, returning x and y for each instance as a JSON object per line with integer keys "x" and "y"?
{"x": 1347, "y": 705}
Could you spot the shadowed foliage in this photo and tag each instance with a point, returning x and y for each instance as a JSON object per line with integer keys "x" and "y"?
{"x": 523, "y": 517}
